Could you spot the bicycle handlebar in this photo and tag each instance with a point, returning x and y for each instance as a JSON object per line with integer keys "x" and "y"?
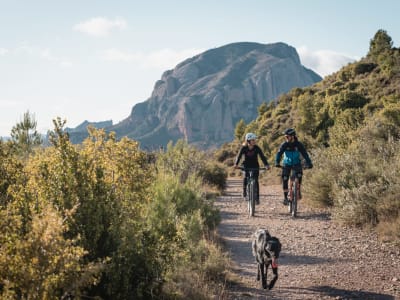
{"x": 251, "y": 169}
{"x": 305, "y": 167}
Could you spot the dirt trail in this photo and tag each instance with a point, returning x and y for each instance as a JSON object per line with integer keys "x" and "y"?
{"x": 319, "y": 259}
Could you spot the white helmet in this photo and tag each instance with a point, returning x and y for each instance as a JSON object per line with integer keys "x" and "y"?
{"x": 250, "y": 136}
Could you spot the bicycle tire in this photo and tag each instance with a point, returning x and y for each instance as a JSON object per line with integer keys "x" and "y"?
{"x": 290, "y": 205}
{"x": 251, "y": 204}
{"x": 295, "y": 196}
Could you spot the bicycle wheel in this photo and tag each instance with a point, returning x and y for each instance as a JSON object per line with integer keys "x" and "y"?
{"x": 290, "y": 206}
{"x": 295, "y": 198}
{"x": 252, "y": 201}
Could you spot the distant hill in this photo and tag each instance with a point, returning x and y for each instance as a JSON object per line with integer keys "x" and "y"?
{"x": 83, "y": 126}
{"x": 203, "y": 98}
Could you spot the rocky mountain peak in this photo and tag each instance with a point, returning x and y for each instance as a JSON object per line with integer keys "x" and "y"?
{"x": 203, "y": 97}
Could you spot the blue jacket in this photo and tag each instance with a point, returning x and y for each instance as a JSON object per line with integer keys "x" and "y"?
{"x": 291, "y": 154}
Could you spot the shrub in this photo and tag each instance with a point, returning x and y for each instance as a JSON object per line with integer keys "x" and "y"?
{"x": 361, "y": 68}
{"x": 214, "y": 174}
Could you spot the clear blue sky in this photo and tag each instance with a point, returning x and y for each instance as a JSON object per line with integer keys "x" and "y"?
{"x": 94, "y": 59}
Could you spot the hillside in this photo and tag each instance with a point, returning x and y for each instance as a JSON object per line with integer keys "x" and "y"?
{"x": 350, "y": 122}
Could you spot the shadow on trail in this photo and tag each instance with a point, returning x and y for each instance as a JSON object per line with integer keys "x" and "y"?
{"x": 305, "y": 216}
{"x": 342, "y": 294}
{"x": 324, "y": 216}
{"x": 288, "y": 259}
{"x": 236, "y": 232}
{"x": 235, "y": 183}
{"x": 230, "y": 215}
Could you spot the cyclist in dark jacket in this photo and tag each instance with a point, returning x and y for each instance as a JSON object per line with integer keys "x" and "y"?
{"x": 291, "y": 150}
{"x": 251, "y": 153}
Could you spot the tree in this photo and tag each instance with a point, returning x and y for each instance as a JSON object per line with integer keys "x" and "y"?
{"x": 239, "y": 129}
{"x": 25, "y": 135}
{"x": 262, "y": 108}
{"x": 380, "y": 43}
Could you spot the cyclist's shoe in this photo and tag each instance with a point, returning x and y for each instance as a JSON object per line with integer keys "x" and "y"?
{"x": 285, "y": 201}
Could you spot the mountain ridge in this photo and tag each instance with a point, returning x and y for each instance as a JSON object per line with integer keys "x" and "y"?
{"x": 204, "y": 96}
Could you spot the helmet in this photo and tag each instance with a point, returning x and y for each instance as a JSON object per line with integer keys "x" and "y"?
{"x": 290, "y": 131}
{"x": 250, "y": 136}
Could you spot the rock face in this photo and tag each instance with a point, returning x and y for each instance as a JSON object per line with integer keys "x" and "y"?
{"x": 203, "y": 98}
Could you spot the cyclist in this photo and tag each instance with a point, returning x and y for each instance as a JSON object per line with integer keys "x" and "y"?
{"x": 291, "y": 150}
{"x": 251, "y": 153}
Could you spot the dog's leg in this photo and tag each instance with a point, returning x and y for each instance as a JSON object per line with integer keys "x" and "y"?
{"x": 274, "y": 279}
{"x": 263, "y": 276}
{"x": 258, "y": 271}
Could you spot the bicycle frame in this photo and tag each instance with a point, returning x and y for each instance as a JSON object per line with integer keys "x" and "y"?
{"x": 251, "y": 189}
{"x": 294, "y": 193}
{"x": 294, "y": 190}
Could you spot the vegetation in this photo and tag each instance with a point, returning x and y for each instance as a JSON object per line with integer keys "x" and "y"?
{"x": 351, "y": 123}
{"x": 24, "y": 134}
{"x": 106, "y": 220}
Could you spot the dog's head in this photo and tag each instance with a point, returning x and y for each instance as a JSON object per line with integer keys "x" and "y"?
{"x": 273, "y": 247}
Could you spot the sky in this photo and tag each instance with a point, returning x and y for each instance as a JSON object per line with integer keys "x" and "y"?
{"x": 95, "y": 59}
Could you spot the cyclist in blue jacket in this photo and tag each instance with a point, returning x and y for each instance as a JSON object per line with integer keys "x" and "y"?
{"x": 291, "y": 150}
{"x": 251, "y": 153}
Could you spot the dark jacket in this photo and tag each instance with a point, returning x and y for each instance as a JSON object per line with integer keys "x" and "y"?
{"x": 251, "y": 157}
{"x": 291, "y": 154}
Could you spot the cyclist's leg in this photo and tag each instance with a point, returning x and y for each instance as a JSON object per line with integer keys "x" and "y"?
{"x": 299, "y": 174}
{"x": 245, "y": 183}
{"x": 285, "y": 180}
{"x": 257, "y": 195}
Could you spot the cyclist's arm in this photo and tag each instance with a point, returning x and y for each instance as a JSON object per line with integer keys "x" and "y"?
{"x": 263, "y": 158}
{"x": 304, "y": 153}
{"x": 239, "y": 156}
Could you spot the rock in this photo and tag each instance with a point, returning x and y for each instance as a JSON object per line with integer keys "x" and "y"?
{"x": 203, "y": 98}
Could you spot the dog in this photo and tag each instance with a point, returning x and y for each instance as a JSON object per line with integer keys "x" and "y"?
{"x": 266, "y": 250}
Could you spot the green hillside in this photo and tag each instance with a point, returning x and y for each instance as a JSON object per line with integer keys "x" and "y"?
{"x": 350, "y": 122}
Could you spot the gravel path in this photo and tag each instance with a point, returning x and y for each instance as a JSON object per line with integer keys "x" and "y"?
{"x": 319, "y": 259}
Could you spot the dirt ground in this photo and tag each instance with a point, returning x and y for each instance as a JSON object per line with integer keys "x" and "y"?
{"x": 319, "y": 259}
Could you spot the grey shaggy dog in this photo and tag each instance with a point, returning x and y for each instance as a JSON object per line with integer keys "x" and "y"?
{"x": 266, "y": 250}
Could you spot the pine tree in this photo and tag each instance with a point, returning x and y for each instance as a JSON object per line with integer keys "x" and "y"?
{"x": 25, "y": 135}
{"x": 239, "y": 129}
{"x": 380, "y": 43}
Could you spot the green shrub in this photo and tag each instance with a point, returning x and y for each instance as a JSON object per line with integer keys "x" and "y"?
{"x": 361, "y": 68}
{"x": 214, "y": 174}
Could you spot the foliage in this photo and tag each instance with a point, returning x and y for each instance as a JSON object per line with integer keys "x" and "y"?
{"x": 380, "y": 43}
{"x": 214, "y": 174}
{"x": 348, "y": 121}
{"x": 240, "y": 130}
{"x": 42, "y": 264}
{"x": 101, "y": 219}
{"x": 24, "y": 134}
{"x": 179, "y": 220}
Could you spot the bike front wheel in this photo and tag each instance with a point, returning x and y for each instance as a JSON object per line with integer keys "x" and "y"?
{"x": 295, "y": 198}
{"x": 251, "y": 204}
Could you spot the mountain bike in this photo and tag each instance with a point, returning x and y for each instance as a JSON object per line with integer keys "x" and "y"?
{"x": 294, "y": 193}
{"x": 251, "y": 189}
